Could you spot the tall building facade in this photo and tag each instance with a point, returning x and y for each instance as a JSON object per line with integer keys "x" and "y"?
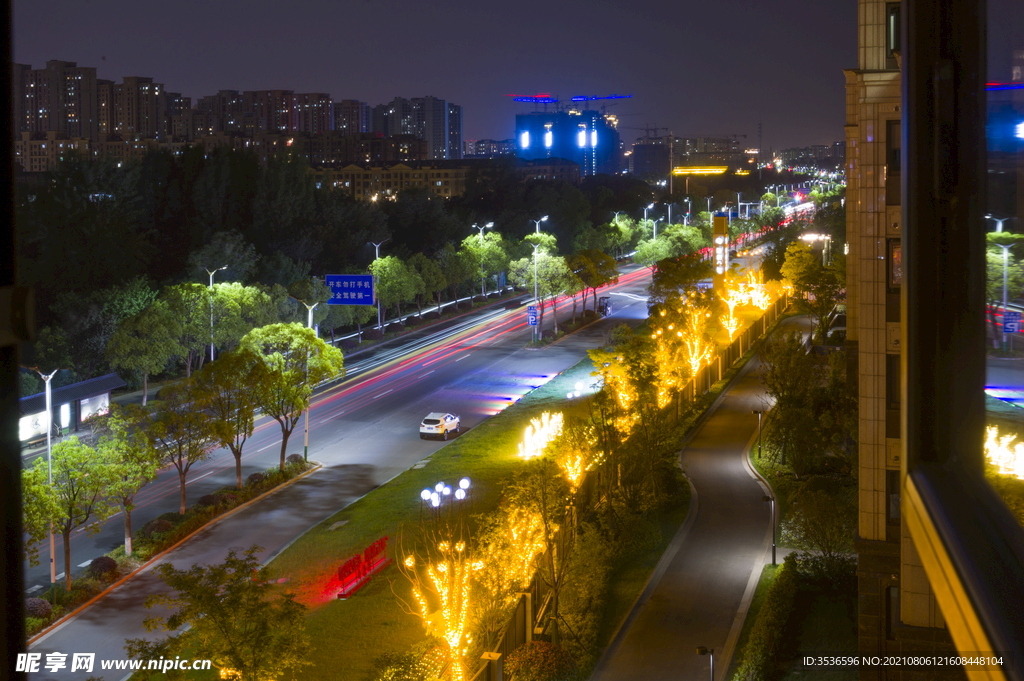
{"x": 584, "y": 137}
{"x": 135, "y": 107}
{"x": 454, "y": 131}
{"x": 61, "y": 97}
{"x": 351, "y": 117}
{"x": 424, "y": 117}
{"x": 897, "y": 610}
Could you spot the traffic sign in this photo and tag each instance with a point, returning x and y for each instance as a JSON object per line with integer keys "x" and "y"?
{"x": 350, "y": 289}
{"x": 531, "y": 315}
{"x": 1011, "y": 321}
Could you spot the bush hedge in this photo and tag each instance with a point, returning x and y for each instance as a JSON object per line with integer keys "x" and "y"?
{"x": 760, "y": 658}
{"x": 104, "y": 566}
{"x": 540, "y": 661}
{"x": 294, "y": 459}
{"x": 37, "y": 607}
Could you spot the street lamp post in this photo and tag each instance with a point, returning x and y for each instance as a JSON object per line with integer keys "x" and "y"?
{"x": 686, "y": 219}
{"x": 535, "y": 299}
{"x": 487, "y": 226}
{"x": 701, "y": 650}
{"x": 758, "y": 412}
{"x": 645, "y": 213}
{"x": 1006, "y": 252}
{"x": 49, "y": 474}
{"x": 211, "y": 273}
{"x": 305, "y": 447}
{"x": 772, "y": 500}
{"x": 999, "y": 221}
{"x": 376, "y": 279}
{"x": 656, "y": 227}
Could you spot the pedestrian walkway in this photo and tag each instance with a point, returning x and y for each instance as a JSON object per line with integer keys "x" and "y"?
{"x": 701, "y": 589}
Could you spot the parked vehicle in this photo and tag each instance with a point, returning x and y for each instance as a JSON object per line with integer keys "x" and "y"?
{"x": 604, "y": 306}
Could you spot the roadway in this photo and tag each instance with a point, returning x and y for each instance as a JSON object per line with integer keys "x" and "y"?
{"x": 364, "y": 431}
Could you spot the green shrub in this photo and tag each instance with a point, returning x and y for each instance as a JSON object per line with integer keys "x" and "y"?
{"x": 173, "y": 517}
{"x": 540, "y": 661}
{"x": 37, "y": 608}
{"x": 103, "y": 567}
{"x": 760, "y": 658}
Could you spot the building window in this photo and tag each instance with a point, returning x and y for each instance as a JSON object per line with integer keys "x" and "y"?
{"x": 892, "y": 611}
{"x": 892, "y": 34}
{"x": 892, "y": 381}
{"x": 894, "y": 263}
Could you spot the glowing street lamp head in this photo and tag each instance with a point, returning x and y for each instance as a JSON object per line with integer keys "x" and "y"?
{"x": 438, "y": 487}
{"x": 460, "y": 494}
{"x": 425, "y": 494}
{"x": 464, "y": 483}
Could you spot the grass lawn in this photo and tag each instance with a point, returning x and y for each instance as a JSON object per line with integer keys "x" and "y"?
{"x": 765, "y": 581}
{"x": 348, "y": 635}
{"x": 824, "y": 622}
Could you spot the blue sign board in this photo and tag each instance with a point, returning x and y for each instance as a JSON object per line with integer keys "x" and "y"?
{"x": 1011, "y": 321}
{"x": 531, "y": 315}
{"x": 350, "y": 289}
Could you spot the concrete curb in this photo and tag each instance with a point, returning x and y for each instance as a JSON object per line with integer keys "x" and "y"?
{"x": 66, "y": 619}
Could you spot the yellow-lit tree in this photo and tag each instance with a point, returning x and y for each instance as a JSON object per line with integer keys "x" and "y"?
{"x": 440, "y": 572}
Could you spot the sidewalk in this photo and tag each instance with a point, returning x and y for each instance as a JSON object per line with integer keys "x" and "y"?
{"x": 700, "y": 591}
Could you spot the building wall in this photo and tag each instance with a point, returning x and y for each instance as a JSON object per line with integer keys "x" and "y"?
{"x": 897, "y": 611}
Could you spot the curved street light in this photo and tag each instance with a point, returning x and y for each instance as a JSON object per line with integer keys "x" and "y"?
{"x": 489, "y": 225}
{"x": 211, "y": 273}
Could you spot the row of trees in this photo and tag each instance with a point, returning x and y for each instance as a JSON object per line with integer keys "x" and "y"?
{"x": 273, "y": 369}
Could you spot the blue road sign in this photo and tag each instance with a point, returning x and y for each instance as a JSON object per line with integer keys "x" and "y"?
{"x": 1011, "y": 321}
{"x": 350, "y": 289}
{"x": 531, "y": 315}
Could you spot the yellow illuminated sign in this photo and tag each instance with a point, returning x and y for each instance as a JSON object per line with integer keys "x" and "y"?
{"x": 700, "y": 170}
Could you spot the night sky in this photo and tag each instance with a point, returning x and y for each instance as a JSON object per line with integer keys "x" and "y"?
{"x": 697, "y": 68}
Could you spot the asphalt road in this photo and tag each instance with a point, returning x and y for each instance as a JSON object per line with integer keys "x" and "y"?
{"x": 695, "y": 596}
{"x": 379, "y": 405}
{"x": 365, "y": 432}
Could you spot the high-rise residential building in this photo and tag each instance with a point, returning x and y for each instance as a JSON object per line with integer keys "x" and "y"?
{"x": 311, "y": 113}
{"x": 351, "y": 117}
{"x": 61, "y": 97}
{"x": 454, "y": 131}
{"x": 228, "y": 106}
{"x": 272, "y": 108}
{"x": 134, "y": 107}
{"x": 425, "y": 117}
{"x": 898, "y": 611}
{"x": 490, "y": 148}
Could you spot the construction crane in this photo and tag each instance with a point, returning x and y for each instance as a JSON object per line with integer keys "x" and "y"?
{"x": 545, "y": 98}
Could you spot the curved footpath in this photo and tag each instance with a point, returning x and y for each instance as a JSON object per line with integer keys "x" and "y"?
{"x": 701, "y": 589}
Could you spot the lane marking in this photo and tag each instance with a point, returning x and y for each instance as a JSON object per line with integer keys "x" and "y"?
{"x": 33, "y": 589}
{"x": 85, "y": 564}
{"x": 268, "y": 446}
{"x": 384, "y": 393}
{"x": 200, "y": 477}
{"x": 426, "y": 374}
{"x": 463, "y": 357}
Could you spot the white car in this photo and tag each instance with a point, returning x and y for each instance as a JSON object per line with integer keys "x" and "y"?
{"x": 439, "y": 424}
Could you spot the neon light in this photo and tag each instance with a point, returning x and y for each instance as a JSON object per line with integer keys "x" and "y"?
{"x": 1019, "y": 130}
{"x": 524, "y": 139}
{"x": 581, "y": 138}
{"x": 548, "y": 139}
{"x": 593, "y": 138}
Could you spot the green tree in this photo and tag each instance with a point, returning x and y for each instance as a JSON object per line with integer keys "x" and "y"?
{"x": 395, "y": 282}
{"x": 39, "y": 507}
{"x": 816, "y": 285}
{"x": 789, "y": 377}
{"x": 595, "y": 269}
{"x": 224, "y": 248}
{"x": 825, "y": 526}
{"x": 182, "y": 429}
{"x": 996, "y": 258}
{"x": 144, "y": 343}
{"x": 189, "y": 304}
{"x": 294, "y": 360}
{"x": 244, "y": 625}
{"x": 649, "y": 252}
{"x": 455, "y": 268}
{"x": 489, "y": 254}
{"x": 431, "y": 276}
{"x": 230, "y": 388}
{"x": 77, "y": 499}
{"x": 126, "y": 446}
{"x": 51, "y": 352}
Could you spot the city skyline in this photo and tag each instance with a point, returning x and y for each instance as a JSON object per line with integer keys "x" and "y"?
{"x": 604, "y": 49}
